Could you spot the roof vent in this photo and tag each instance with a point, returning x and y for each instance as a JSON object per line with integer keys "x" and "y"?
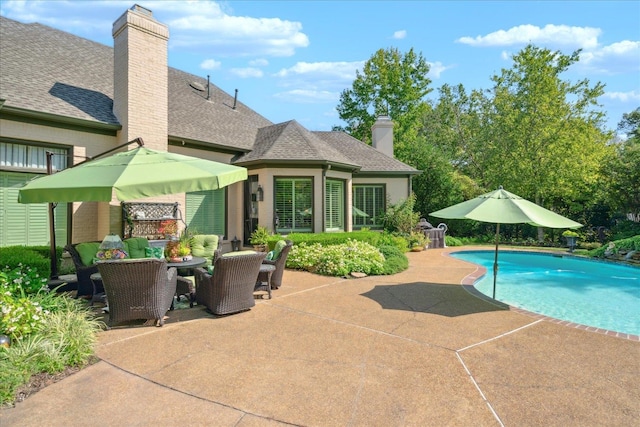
{"x": 197, "y": 86}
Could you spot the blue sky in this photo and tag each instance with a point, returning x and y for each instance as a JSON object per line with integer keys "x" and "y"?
{"x": 290, "y": 60}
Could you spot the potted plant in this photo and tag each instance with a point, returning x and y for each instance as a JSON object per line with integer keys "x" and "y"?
{"x": 179, "y": 249}
{"x": 417, "y": 241}
{"x": 259, "y": 238}
{"x": 571, "y": 237}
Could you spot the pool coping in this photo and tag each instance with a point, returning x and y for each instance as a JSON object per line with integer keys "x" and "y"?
{"x": 468, "y": 283}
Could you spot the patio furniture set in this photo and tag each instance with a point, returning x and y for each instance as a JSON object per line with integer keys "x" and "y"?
{"x": 143, "y": 287}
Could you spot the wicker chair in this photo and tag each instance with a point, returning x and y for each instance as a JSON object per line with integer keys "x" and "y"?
{"x": 83, "y": 272}
{"x": 279, "y": 263}
{"x": 138, "y": 288}
{"x": 230, "y": 288}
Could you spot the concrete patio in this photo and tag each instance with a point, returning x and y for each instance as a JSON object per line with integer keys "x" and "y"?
{"x": 413, "y": 349}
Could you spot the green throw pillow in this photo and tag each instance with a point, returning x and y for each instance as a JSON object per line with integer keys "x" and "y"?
{"x": 134, "y": 246}
{"x": 87, "y": 252}
{"x": 269, "y": 256}
{"x": 154, "y": 252}
{"x": 278, "y": 248}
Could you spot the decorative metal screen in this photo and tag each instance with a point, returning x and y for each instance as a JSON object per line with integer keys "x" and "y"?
{"x": 143, "y": 219}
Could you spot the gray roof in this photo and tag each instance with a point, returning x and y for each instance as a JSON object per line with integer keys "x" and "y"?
{"x": 369, "y": 159}
{"x": 49, "y": 71}
{"x": 289, "y": 142}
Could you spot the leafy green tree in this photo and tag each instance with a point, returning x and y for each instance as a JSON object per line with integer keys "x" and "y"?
{"x": 624, "y": 169}
{"x": 393, "y": 84}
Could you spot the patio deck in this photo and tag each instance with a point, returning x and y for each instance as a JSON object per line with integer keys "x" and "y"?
{"x": 411, "y": 349}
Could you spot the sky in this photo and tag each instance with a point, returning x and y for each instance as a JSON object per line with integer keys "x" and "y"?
{"x": 292, "y": 59}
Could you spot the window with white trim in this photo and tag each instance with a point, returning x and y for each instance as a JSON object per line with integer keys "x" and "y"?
{"x": 294, "y": 204}
{"x": 334, "y": 205}
{"x": 369, "y": 202}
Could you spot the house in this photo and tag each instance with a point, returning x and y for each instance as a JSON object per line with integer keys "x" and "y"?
{"x": 76, "y": 98}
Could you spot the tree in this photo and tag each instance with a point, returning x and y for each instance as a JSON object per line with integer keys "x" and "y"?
{"x": 392, "y": 84}
{"x": 624, "y": 169}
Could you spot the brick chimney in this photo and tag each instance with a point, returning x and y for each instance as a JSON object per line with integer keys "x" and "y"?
{"x": 140, "y": 75}
{"x": 382, "y": 135}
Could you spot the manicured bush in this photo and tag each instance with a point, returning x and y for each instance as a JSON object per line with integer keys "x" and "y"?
{"x": 15, "y": 256}
{"x": 336, "y": 260}
{"x": 395, "y": 260}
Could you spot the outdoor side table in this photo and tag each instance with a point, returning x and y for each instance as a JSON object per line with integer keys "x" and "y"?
{"x": 264, "y": 276}
{"x": 99, "y": 294}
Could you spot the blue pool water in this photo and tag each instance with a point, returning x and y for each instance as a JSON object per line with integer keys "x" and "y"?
{"x": 599, "y": 294}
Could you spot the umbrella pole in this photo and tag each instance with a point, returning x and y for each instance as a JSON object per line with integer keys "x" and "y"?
{"x": 53, "y": 255}
{"x": 495, "y": 261}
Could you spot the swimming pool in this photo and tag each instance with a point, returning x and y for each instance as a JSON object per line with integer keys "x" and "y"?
{"x": 592, "y": 293}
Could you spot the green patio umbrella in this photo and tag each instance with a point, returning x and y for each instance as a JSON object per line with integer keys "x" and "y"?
{"x": 358, "y": 212}
{"x": 502, "y": 207}
{"x": 130, "y": 175}
{"x": 134, "y": 174}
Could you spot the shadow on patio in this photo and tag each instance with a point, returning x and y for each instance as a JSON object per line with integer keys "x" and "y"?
{"x": 433, "y": 298}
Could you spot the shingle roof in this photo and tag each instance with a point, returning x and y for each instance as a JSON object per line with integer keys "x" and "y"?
{"x": 46, "y": 70}
{"x": 369, "y": 159}
{"x": 53, "y": 72}
{"x": 50, "y": 71}
{"x": 290, "y": 142}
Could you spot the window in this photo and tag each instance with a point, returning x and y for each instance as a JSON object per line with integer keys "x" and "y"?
{"x": 28, "y": 224}
{"x": 206, "y": 211}
{"x": 294, "y": 202}
{"x": 334, "y": 205}
{"x": 368, "y": 203}
{"x": 31, "y": 157}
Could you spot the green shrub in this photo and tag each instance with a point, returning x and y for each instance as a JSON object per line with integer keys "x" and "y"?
{"x": 452, "y": 241}
{"x": 630, "y": 244}
{"x": 336, "y": 260}
{"x": 395, "y": 260}
{"x": 400, "y": 217}
{"x": 15, "y": 256}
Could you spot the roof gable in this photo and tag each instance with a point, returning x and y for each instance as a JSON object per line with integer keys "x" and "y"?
{"x": 290, "y": 142}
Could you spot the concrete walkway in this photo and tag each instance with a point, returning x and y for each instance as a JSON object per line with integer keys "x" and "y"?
{"x": 413, "y": 349}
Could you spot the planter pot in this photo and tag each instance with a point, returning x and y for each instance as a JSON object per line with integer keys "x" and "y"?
{"x": 417, "y": 249}
{"x": 571, "y": 242}
{"x": 260, "y": 248}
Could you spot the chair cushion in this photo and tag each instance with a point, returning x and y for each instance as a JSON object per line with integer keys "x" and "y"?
{"x": 238, "y": 253}
{"x": 269, "y": 256}
{"x": 154, "y": 252}
{"x": 280, "y": 244}
{"x": 134, "y": 246}
{"x": 87, "y": 252}
{"x": 204, "y": 245}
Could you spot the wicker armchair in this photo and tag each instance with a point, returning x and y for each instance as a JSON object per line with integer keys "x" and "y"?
{"x": 83, "y": 272}
{"x": 138, "y": 288}
{"x": 279, "y": 263}
{"x": 230, "y": 288}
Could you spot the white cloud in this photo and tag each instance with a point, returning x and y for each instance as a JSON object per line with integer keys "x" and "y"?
{"x": 210, "y": 64}
{"x": 437, "y": 68}
{"x": 505, "y": 55}
{"x": 631, "y": 96}
{"x": 340, "y": 70}
{"x": 400, "y": 34}
{"x": 260, "y": 62}
{"x": 555, "y": 35}
{"x": 306, "y": 96}
{"x": 205, "y": 25}
{"x": 245, "y": 73}
{"x": 618, "y": 57}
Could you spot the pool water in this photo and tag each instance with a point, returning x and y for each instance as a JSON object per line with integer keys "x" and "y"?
{"x": 592, "y": 293}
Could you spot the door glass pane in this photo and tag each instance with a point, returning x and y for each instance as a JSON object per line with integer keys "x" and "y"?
{"x": 334, "y": 205}
{"x": 368, "y": 204}
{"x": 293, "y": 204}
